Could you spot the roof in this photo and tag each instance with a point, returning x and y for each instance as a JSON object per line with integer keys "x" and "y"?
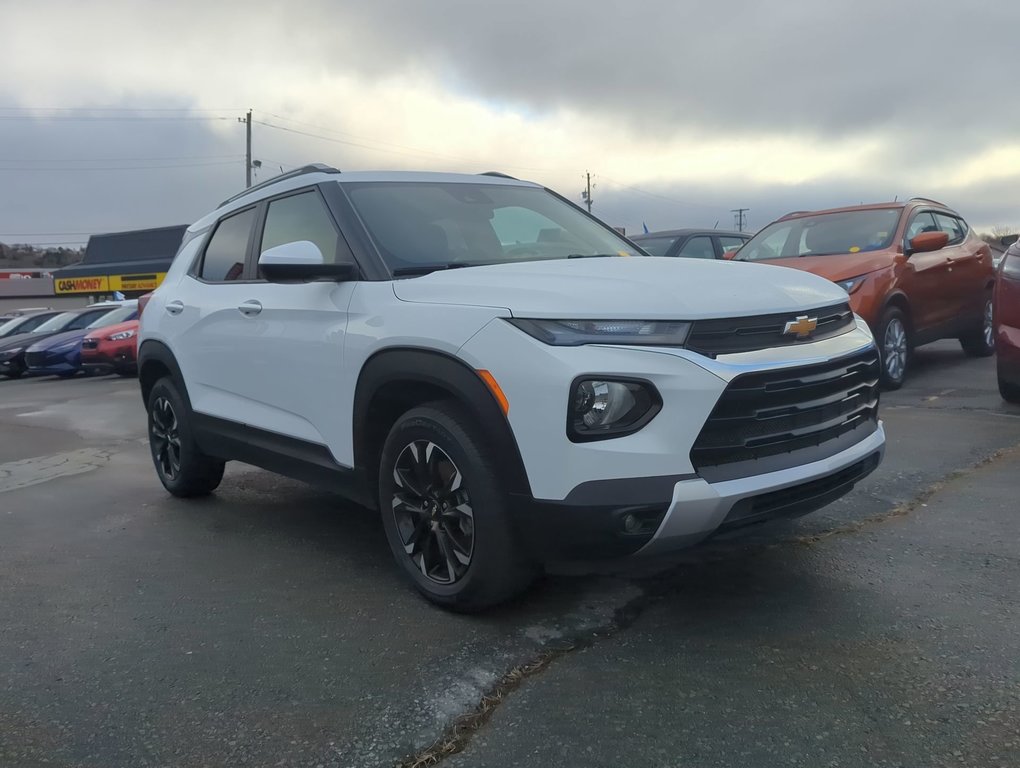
{"x": 924, "y": 201}
{"x": 689, "y": 231}
{"x": 318, "y": 174}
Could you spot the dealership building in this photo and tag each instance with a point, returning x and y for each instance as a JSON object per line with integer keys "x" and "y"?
{"x": 132, "y": 263}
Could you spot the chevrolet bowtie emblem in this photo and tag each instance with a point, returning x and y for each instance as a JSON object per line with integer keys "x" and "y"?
{"x": 802, "y": 326}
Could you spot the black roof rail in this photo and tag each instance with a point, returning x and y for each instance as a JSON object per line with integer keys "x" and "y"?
{"x": 312, "y": 168}
{"x": 499, "y": 174}
{"x": 927, "y": 200}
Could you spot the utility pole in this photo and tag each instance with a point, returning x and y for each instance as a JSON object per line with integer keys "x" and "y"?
{"x": 247, "y": 152}
{"x": 738, "y": 217}
{"x": 586, "y": 192}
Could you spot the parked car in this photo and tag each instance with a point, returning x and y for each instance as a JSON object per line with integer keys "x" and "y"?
{"x": 692, "y": 243}
{"x": 469, "y": 355}
{"x": 60, "y": 354}
{"x": 915, "y": 272}
{"x": 26, "y": 321}
{"x": 111, "y": 349}
{"x": 1007, "y": 324}
{"x": 12, "y": 348}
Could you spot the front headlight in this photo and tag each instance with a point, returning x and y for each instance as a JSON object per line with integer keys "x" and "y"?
{"x": 10, "y": 353}
{"x": 605, "y": 408}
{"x": 852, "y": 284}
{"x": 122, "y": 335}
{"x": 573, "y": 333}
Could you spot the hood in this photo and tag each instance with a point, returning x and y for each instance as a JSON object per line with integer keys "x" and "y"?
{"x": 839, "y": 266}
{"x": 23, "y": 340}
{"x": 636, "y": 288}
{"x": 107, "y": 331}
{"x": 54, "y": 340}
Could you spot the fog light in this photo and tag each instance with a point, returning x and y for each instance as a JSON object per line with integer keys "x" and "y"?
{"x": 604, "y": 408}
{"x": 631, "y": 524}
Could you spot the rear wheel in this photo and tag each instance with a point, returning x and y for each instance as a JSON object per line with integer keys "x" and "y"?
{"x": 980, "y": 342}
{"x": 1010, "y": 390}
{"x": 182, "y": 468}
{"x": 894, "y": 346}
{"x": 445, "y": 513}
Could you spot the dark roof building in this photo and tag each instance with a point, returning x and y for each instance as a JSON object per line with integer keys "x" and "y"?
{"x": 130, "y": 262}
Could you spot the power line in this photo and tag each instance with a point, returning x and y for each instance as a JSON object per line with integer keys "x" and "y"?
{"x": 738, "y": 217}
{"x": 120, "y": 159}
{"x": 119, "y": 167}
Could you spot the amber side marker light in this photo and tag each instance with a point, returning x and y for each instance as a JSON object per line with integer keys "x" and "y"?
{"x": 490, "y": 382}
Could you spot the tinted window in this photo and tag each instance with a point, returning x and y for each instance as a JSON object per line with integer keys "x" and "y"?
{"x": 922, "y": 222}
{"x": 301, "y": 217}
{"x": 657, "y": 246}
{"x": 699, "y": 247}
{"x": 825, "y": 234}
{"x": 225, "y": 254}
{"x": 23, "y": 324}
{"x": 428, "y": 223}
{"x": 952, "y": 226}
{"x": 115, "y": 316}
{"x": 730, "y": 243}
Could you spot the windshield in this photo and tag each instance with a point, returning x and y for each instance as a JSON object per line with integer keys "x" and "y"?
{"x": 422, "y": 224}
{"x": 9, "y": 325}
{"x": 657, "y": 246}
{"x": 824, "y": 234}
{"x": 118, "y": 315}
{"x": 57, "y": 323}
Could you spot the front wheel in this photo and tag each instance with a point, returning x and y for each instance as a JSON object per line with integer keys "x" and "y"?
{"x": 980, "y": 342}
{"x": 445, "y": 513}
{"x": 894, "y": 345}
{"x": 182, "y": 468}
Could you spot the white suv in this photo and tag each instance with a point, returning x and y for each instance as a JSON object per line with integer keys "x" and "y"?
{"x": 470, "y": 355}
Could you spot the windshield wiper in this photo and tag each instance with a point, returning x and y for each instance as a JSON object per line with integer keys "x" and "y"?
{"x": 424, "y": 269}
{"x": 593, "y": 256}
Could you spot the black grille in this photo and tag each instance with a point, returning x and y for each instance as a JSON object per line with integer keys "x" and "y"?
{"x": 778, "y": 412}
{"x": 89, "y": 344}
{"x": 36, "y": 359}
{"x": 747, "y": 334}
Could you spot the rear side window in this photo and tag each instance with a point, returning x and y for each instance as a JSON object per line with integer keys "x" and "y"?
{"x": 225, "y": 254}
{"x": 952, "y": 226}
{"x": 301, "y": 217}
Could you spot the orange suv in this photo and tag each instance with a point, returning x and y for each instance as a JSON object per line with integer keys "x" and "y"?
{"x": 914, "y": 271}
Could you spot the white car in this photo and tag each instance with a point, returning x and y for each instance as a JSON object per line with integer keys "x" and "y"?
{"x": 508, "y": 380}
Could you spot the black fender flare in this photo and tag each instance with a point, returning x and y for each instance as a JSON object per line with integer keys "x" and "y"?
{"x": 437, "y": 371}
{"x": 152, "y": 351}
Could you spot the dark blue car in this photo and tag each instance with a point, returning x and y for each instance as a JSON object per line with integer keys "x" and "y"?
{"x": 60, "y": 354}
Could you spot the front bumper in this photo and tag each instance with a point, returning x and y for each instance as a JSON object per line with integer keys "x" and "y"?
{"x": 107, "y": 362}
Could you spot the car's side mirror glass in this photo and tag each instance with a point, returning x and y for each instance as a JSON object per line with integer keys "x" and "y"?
{"x": 927, "y": 242}
{"x": 1008, "y": 240}
{"x": 301, "y": 260}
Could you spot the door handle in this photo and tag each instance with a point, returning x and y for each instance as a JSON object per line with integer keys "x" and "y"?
{"x": 250, "y": 308}
{"x": 174, "y": 307}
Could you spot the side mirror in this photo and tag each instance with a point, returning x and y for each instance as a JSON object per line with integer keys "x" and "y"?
{"x": 1008, "y": 240}
{"x": 301, "y": 260}
{"x": 927, "y": 242}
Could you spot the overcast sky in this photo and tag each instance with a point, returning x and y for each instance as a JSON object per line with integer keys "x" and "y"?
{"x": 121, "y": 115}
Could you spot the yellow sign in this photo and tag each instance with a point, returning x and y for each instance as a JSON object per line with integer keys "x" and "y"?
{"x": 95, "y": 284}
{"x": 146, "y": 282}
{"x": 108, "y": 283}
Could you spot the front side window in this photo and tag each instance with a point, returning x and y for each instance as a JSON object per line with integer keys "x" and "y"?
{"x": 418, "y": 225}
{"x": 952, "y": 226}
{"x": 657, "y": 246}
{"x": 225, "y": 253}
{"x": 825, "y": 234}
{"x": 699, "y": 247}
{"x": 922, "y": 222}
{"x": 22, "y": 324}
{"x": 86, "y": 318}
{"x": 729, "y": 243}
{"x": 57, "y": 323}
{"x": 300, "y": 217}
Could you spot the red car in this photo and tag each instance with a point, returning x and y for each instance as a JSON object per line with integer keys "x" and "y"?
{"x": 113, "y": 349}
{"x": 1007, "y": 324}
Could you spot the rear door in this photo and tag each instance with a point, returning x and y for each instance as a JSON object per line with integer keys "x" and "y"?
{"x": 926, "y": 277}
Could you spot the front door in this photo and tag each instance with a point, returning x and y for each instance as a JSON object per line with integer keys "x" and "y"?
{"x": 927, "y": 274}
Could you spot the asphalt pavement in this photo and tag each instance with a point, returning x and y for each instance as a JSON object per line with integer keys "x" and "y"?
{"x": 268, "y": 626}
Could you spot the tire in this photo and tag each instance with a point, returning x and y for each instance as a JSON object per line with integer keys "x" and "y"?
{"x": 455, "y": 544}
{"x": 14, "y": 374}
{"x": 980, "y": 342}
{"x": 1009, "y": 390}
{"x": 894, "y": 347}
{"x": 182, "y": 468}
